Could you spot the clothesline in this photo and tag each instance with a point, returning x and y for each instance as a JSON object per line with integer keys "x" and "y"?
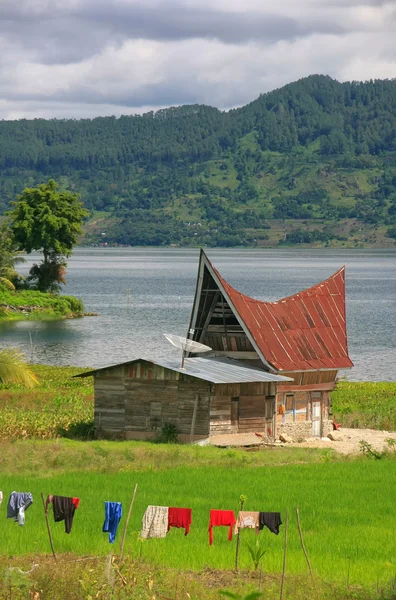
{"x": 156, "y": 522}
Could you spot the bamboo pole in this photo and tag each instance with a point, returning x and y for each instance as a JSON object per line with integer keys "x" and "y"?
{"x": 284, "y": 556}
{"x": 241, "y": 503}
{"x": 127, "y": 522}
{"x": 48, "y": 526}
{"x": 302, "y": 543}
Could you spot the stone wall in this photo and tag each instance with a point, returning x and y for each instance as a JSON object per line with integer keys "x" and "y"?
{"x": 301, "y": 429}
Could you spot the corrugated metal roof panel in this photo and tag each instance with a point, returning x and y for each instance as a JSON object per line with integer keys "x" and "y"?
{"x": 306, "y": 331}
{"x": 222, "y": 370}
{"x": 215, "y": 370}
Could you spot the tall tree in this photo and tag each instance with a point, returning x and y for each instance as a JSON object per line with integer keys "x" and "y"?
{"x": 49, "y": 220}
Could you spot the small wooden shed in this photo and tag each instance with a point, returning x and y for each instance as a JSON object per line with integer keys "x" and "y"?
{"x": 208, "y": 396}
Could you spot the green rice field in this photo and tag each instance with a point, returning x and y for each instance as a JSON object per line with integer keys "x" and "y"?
{"x": 346, "y": 504}
{"x": 347, "y": 512}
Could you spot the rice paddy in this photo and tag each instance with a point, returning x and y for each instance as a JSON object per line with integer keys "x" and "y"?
{"x": 347, "y": 513}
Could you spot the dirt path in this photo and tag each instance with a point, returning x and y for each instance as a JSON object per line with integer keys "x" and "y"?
{"x": 350, "y": 438}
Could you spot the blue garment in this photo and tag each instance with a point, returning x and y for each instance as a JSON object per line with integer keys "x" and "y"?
{"x": 113, "y": 514}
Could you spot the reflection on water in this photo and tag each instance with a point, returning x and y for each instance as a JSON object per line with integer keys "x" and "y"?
{"x": 142, "y": 293}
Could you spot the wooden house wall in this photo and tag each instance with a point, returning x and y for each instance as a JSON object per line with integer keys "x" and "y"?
{"x": 253, "y": 412}
{"x": 306, "y": 378}
{"x": 134, "y": 400}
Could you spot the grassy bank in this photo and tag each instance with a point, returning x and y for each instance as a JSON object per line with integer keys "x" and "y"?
{"x": 23, "y": 304}
{"x": 74, "y": 579}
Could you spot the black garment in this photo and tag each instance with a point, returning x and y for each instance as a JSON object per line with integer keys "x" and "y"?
{"x": 271, "y": 520}
{"x": 64, "y": 510}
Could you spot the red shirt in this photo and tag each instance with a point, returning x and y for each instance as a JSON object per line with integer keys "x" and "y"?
{"x": 180, "y": 517}
{"x": 218, "y": 518}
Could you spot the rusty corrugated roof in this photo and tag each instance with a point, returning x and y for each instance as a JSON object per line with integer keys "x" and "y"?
{"x": 306, "y": 331}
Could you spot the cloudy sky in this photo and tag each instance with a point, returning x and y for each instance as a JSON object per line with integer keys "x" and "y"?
{"x": 86, "y": 58}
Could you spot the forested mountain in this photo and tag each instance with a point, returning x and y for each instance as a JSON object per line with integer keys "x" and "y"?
{"x": 312, "y": 161}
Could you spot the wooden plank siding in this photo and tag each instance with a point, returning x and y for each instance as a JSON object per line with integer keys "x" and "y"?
{"x": 251, "y": 398}
{"x": 136, "y": 401}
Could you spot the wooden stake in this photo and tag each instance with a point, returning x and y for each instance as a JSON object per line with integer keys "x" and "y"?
{"x": 127, "y": 522}
{"x": 284, "y": 556}
{"x": 48, "y": 526}
{"x": 194, "y": 417}
{"x": 302, "y": 542}
{"x": 241, "y": 503}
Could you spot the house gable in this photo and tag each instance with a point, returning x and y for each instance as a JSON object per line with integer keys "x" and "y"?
{"x": 303, "y": 332}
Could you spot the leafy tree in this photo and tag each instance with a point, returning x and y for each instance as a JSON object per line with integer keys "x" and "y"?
{"x": 13, "y": 369}
{"x": 9, "y": 257}
{"x": 49, "y": 220}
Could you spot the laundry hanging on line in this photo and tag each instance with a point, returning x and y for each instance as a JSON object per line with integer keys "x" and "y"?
{"x": 155, "y": 522}
{"x": 271, "y": 520}
{"x": 18, "y": 503}
{"x": 113, "y": 514}
{"x": 247, "y": 520}
{"x": 219, "y": 518}
{"x": 180, "y": 517}
{"x": 1, "y": 496}
{"x": 64, "y": 508}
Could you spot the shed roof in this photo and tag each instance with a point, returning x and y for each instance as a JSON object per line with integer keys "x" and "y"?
{"x": 215, "y": 370}
{"x": 306, "y": 331}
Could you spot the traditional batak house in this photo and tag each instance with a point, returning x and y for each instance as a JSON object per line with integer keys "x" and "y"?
{"x": 302, "y": 337}
{"x": 270, "y": 371}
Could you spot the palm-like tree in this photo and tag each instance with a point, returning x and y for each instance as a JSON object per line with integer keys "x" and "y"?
{"x": 13, "y": 369}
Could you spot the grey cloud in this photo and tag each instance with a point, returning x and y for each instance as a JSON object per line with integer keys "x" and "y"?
{"x": 58, "y": 33}
{"x": 176, "y": 21}
{"x": 87, "y": 54}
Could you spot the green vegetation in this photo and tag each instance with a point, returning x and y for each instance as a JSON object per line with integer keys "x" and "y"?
{"x": 314, "y": 156}
{"x": 50, "y": 221}
{"x": 9, "y": 258}
{"x": 108, "y": 579}
{"x": 13, "y": 369}
{"x": 57, "y": 405}
{"x": 355, "y": 523}
{"x": 348, "y": 525}
{"x": 365, "y": 405}
{"x": 61, "y": 403}
{"x": 22, "y": 304}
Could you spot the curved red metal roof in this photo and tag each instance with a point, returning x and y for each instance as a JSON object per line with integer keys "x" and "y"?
{"x": 301, "y": 332}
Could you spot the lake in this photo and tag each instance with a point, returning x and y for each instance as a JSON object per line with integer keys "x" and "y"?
{"x": 141, "y": 293}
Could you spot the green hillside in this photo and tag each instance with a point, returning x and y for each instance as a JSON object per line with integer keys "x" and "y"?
{"x": 311, "y": 163}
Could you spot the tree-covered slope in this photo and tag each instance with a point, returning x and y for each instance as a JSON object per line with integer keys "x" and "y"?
{"x": 314, "y": 161}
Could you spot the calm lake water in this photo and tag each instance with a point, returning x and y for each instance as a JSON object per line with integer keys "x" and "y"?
{"x": 142, "y": 293}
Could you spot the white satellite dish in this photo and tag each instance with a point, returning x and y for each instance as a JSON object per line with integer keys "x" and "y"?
{"x": 186, "y": 345}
